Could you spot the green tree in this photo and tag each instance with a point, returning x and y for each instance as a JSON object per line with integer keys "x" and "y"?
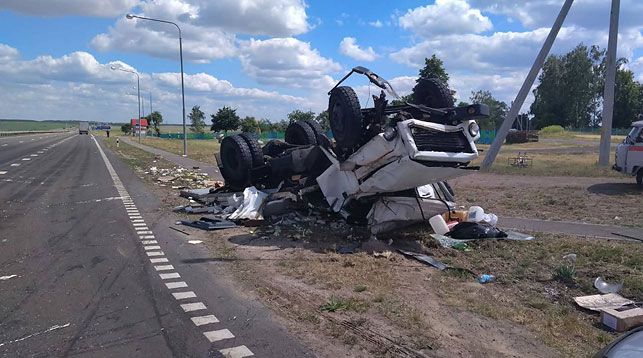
{"x": 280, "y": 126}
{"x": 549, "y": 98}
{"x": 197, "y": 120}
{"x": 627, "y": 99}
{"x": 249, "y": 125}
{"x": 126, "y": 128}
{"x": 298, "y": 115}
{"x": 497, "y": 109}
{"x": 434, "y": 68}
{"x": 225, "y": 120}
{"x": 265, "y": 125}
{"x": 155, "y": 119}
{"x": 323, "y": 120}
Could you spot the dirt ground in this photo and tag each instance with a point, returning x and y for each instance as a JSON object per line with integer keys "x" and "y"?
{"x": 360, "y": 305}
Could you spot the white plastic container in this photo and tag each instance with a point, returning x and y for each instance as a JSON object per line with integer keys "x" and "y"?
{"x": 476, "y": 214}
{"x": 439, "y": 225}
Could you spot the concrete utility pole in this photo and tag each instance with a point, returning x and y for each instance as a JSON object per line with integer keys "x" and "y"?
{"x": 526, "y": 86}
{"x": 608, "y": 94}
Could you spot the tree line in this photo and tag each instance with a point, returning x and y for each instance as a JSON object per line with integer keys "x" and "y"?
{"x": 227, "y": 119}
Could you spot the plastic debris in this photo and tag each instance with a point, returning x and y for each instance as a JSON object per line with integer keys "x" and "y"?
{"x": 250, "y": 208}
{"x": 471, "y": 230}
{"x": 606, "y": 287}
{"x": 486, "y": 278}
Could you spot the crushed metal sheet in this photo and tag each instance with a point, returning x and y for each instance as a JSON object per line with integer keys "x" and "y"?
{"x": 600, "y": 302}
{"x": 426, "y": 259}
{"x": 209, "y": 224}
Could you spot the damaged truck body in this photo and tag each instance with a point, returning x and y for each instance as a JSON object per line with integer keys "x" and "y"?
{"x": 385, "y": 165}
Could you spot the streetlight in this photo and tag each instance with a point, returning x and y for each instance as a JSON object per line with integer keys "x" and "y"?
{"x": 131, "y": 16}
{"x": 138, "y": 89}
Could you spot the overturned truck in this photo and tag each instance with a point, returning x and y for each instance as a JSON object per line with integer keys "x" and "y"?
{"x": 384, "y": 166}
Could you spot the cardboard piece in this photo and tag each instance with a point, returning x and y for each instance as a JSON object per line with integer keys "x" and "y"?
{"x": 601, "y": 302}
{"x": 622, "y": 319}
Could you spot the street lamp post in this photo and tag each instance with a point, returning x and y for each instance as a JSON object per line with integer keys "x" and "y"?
{"x": 131, "y": 16}
{"x": 138, "y": 90}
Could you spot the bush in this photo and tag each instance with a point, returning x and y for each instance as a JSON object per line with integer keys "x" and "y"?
{"x": 556, "y": 129}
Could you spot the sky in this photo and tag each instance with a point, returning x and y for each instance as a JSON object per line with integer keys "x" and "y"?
{"x": 266, "y": 58}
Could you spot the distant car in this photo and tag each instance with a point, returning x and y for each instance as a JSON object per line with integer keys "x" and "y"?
{"x": 83, "y": 127}
{"x": 629, "y": 154}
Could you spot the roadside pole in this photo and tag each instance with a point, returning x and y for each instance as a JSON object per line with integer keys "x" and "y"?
{"x": 608, "y": 93}
{"x": 526, "y": 86}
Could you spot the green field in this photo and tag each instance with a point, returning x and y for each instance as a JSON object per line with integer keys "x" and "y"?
{"x": 11, "y": 125}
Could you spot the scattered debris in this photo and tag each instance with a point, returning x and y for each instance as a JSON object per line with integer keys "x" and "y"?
{"x": 181, "y": 231}
{"x": 605, "y": 287}
{"x": 426, "y": 259}
{"x": 473, "y": 230}
{"x": 195, "y": 242}
{"x": 486, "y": 278}
{"x": 385, "y": 254}
{"x": 206, "y": 223}
{"x": 601, "y": 302}
{"x": 623, "y": 318}
{"x": 348, "y": 249}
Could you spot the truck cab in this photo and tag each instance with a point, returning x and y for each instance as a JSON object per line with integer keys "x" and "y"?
{"x": 629, "y": 154}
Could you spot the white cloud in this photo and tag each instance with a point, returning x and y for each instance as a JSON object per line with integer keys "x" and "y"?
{"x": 284, "y": 61}
{"x": 445, "y": 17}
{"x": 376, "y": 23}
{"x": 77, "y": 86}
{"x": 348, "y": 46}
{"x": 102, "y": 8}
{"x": 255, "y": 17}
{"x": 161, "y": 40}
{"x": 209, "y": 27}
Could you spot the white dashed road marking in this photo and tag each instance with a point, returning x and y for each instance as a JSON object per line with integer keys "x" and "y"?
{"x": 184, "y": 295}
{"x": 189, "y": 307}
{"x": 2, "y": 172}
{"x": 173, "y": 285}
{"x": 25, "y": 159}
{"x": 15, "y": 164}
{"x": 219, "y": 335}
{"x": 202, "y": 320}
{"x": 157, "y": 256}
{"x": 167, "y": 276}
{"x": 237, "y": 352}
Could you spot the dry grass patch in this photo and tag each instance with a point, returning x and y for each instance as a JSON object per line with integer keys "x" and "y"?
{"x": 201, "y": 150}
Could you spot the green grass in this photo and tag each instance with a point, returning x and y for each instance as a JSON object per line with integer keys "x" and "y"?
{"x": 12, "y": 125}
{"x": 201, "y": 150}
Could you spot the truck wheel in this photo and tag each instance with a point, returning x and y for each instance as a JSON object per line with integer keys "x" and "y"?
{"x": 433, "y": 93}
{"x": 639, "y": 177}
{"x": 255, "y": 149}
{"x": 300, "y": 133}
{"x": 345, "y": 117}
{"x": 320, "y": 133}
{"x": 236, "y": 160}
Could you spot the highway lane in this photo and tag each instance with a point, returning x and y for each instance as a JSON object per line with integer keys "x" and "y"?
{"x": 15, "y": 148}
{"x": 77, "y": 277}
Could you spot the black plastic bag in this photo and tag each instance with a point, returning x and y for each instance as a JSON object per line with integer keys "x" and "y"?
{"x": 469, "y": 230}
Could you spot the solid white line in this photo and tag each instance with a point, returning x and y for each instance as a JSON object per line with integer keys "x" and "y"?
{"x": 15, "y": 164}
{"x": 201, "y": 320}
{"x": 167, "y": 276}
{"x": 189, "y": 307}
{"x": 164, "y": 268}
{"x": 149, "y": 242}
{"x": 236, "y": 352}
{"x": 179, "y": 284}
{"x": 219, "y": 335}
{"x": 184, "y": 295}
{"x": 153, "y": 247}
{"x": 158, "y": 260}
{"x": 155, "y": 253}
{"x": 146, "y": 237}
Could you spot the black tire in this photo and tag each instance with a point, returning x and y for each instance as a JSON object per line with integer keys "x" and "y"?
{"x": 300, "y": 133}
{"x": 255, "y": 149}
{"x": 320, "y": 133}
{"x": 345, "y": 117}
{"x": 236, "y": 160}
{"x": 639, "y": 177}
{"x": 433, "y": 93}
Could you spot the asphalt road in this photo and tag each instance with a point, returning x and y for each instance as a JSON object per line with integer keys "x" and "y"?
{"x": 88, "y": 266}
